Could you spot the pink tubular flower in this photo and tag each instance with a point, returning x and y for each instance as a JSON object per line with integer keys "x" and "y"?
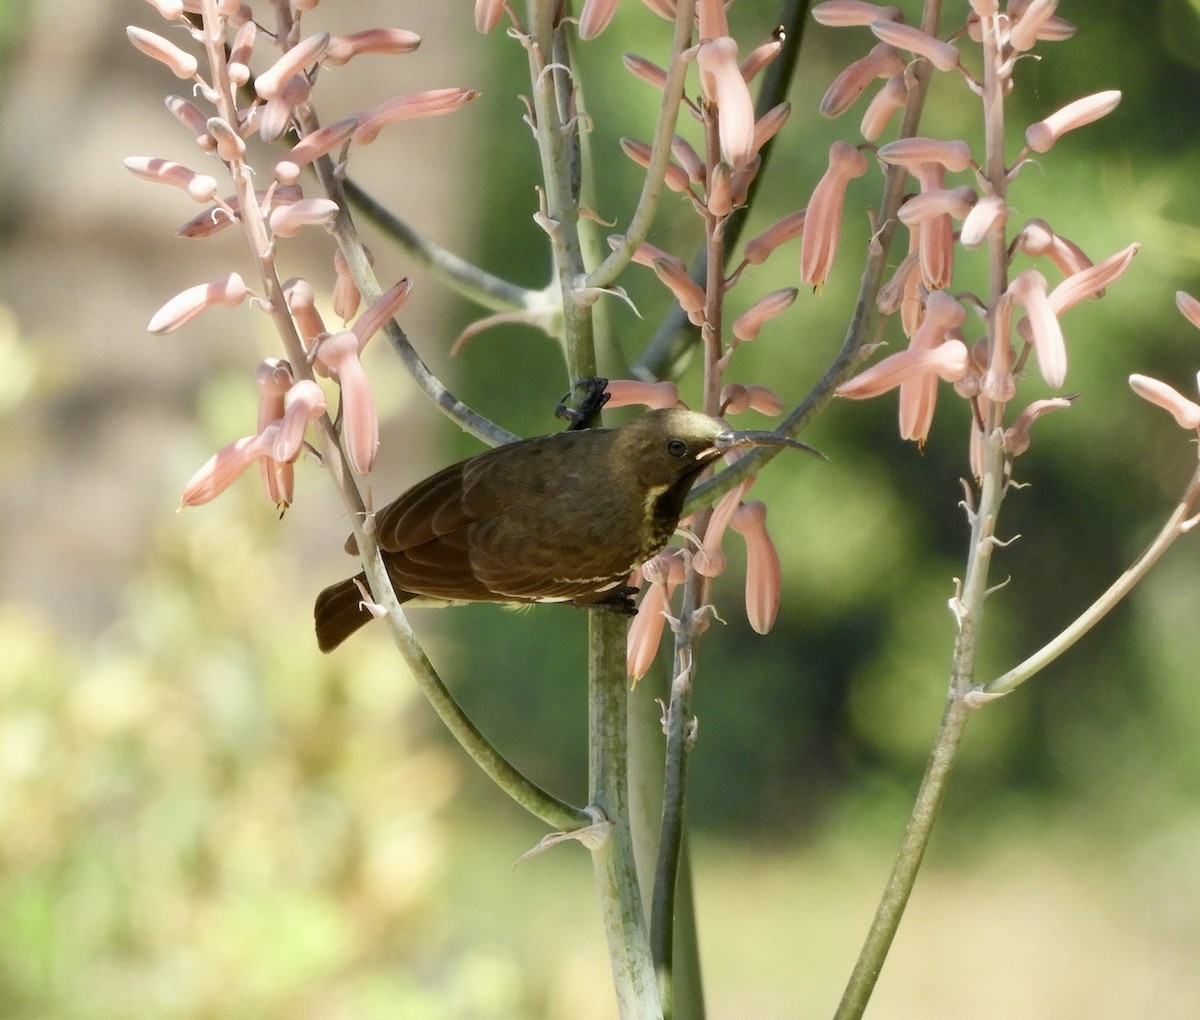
{"x": 1188, "y": 306}
{"x": 1029, "y": 25}
{"x": 1185, "y": 412}
{"x": 239, "y": 53}
{"x": 722, "y": 83}
{"x": 955, "y": 202}
{"x": 627, "y": 392}
{"x": 737, "y": 398}
{"x": 987, "y": 212}
{"x": 1091, "y": 281}
{"x": 224, "y": 466}
{"x": 301, "y": 302}
{"x": 303, "y": 402}
{"x": 709, "y": 559}
{"x": 1040, "y": 137}
{"x": 308, "y": 51}
{"x": 644, "y": 254}
{"x": 687, "y": 292}
{"x": 1036, "y": 239}
{"x": 339, "y": 353}
{"x": 882, "y": 62}
{"x": 384, "y": 308}
{"x": 759, "y": 248}
{"x": 289, "y": 220}
{"x": 998, "y": 384}
{"x": 488, "y": 14}
{"x": 850, "y": 13}
{"x": 768, "y": 125}
{"x": 689, "y": 159}
{"x": 711, "y": 20}
{"x": 943, "y": 55}
{"x": 665, "y": 572}
{"x": 676, "y": 177}
{"x": 1016, "y": 437}
{"x": 191, "y": 117}
{"x": 645, "y": 69}
{"x": 313, "y": 146}
{"x": 764, "y": 579}
{"x": 719, "y": 196}
{"x": 199, "y": 187}
{"x": 275, "y": 116}
{"x": 918, "y": 395}
{"x": 430, "y": 103}
{"x": 229, "y": 290}
{"x": 595, "y": 16}
{"x": 758, "y": 58}
{"x": 935, "y": 237}
{"x": 883, "y": 105}
{"x": 1028, "y": 289}
{"x": 949, "y": 360}
{"x": 823, "y": 221}
{"x": 344, "y": 48}
{"x": 273, "y": 378}
{"x": 181, "y": 64}
{"x": 747, "y": 325}
{"x": 955, "y": 156}
{"x": 346, "y": 296}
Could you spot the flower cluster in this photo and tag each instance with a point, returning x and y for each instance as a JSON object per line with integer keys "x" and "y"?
{"x": 274, "y": 102}
{"x": 1022, "y": 313}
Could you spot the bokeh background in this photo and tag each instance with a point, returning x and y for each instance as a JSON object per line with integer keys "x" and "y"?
{"x": 200, "y": 816}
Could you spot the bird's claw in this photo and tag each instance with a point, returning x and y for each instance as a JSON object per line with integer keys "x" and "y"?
{"x": 595, "y": 396}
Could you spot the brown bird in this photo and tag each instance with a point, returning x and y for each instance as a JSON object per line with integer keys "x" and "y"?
{"x": 559, "y": 518}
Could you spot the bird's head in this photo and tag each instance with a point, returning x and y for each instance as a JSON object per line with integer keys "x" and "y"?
{"x": 667, "y": 447}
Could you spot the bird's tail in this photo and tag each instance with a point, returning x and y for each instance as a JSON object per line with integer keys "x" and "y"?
{"x": 339, "y": 611}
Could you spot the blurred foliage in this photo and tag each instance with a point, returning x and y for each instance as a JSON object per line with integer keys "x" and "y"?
{"x": 200, "y": 816}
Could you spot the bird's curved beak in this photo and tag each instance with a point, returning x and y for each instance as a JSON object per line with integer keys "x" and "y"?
{"x": 732, "y": 440}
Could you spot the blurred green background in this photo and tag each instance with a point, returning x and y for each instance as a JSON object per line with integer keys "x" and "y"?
{"x": 200, "y": 816}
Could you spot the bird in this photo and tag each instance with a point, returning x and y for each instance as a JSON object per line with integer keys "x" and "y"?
{"x": 564, "y": 517}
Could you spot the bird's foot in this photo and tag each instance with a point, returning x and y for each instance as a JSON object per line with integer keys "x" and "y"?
{"x": 595, "y": 396}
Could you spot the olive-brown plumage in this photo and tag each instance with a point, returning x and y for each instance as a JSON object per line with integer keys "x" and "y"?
{"x": 559, "y": 518}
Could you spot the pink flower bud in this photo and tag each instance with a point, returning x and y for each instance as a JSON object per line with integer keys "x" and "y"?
{"x": 1026, "y": 31}
{"x": 1040, "y": 137}
{"x": 758, "y": 248}
{"x": 288, "y": 220}
{"x": 928, "y": 205}
{"x": 627, "y": 392}
{"x": 764, "y": 579}
{"x": 676, "y": 177}
{"x": 768, "y": 125}
{"x": 884, "y": 104}
{"x": 200, "y": 187}
{"x": 737, "y": 398}
{"x": 689, "y": 159}
{"x": 644, "y": 254}
{"x": 948, "y": 361}
{"x": 918, "y": 395}
{"x": 275, "y": 117}
{"x": 1185, "y": 412}
{"x": 595, "y": 16}
{"x": 998, "y": 384}
{"x": 346, "y": 296}
{"x": 823, "y": 220}
{"x": 230, "y": 146}
{"x": 360, "y": 424}
{"x": 294, "y": 61}
{"x": 663, "y": 8}
{"x": 303, "y": 403}
{"x": 488, "y": 14}
{"x": 851, "y": 13}
{"x": 301, "y": 302}
{"x": 645, "y": 633}
{"x": 1016, "y": 437}
{"x": 1028, "y": 289}
{"x": 239, "y": 53}
{"x": 644, "y": 69}
{"x": 273, "y": 377}
{"x": 710, "y": 15}
{"x": 1189, "y": 306}
{"x": 986, "y": 213}
{"x": 935, "y": 237}
{"x": 709, "y": 560}
{"x": 344, "y": 48}
{"x": 1037, "y": 239}
{"x": 719, "y": 197}
{"x": 191, "y": 117}
{"x": 430, "y": 103}
{"x": 384, "y": 308}
{"x": 1090, "y": 282}
{"x": 954, "y": 156}
{"x": 747, "y": 325}
{"x": 181, "y": 64}
{"x": 229, "y": 290}
{"x": 943, "y": 55}
{"x": 313, "y": 146}
{"x": 758, "y": 59}
{"x": 882, "y": 62}
{"x": 722, "y": 83}
{"x": 674, "y": 274}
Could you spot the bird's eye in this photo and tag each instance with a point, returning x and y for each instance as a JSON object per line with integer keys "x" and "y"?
{"x": 676, "y": 447}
